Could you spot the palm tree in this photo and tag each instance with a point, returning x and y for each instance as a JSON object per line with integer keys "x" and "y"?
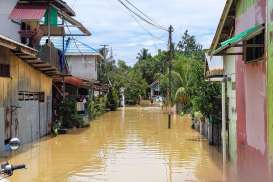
{"x": 176, "y": 83}
{"x": 181, "y": 96}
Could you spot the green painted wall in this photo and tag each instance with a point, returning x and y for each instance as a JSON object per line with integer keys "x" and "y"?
{"x": 229, "y": 67}
{"x": 53, "y": 17}
{"x": 270, "y": 77}
{"x": 243, "y": 5}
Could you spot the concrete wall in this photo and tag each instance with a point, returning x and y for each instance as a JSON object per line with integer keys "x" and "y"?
{"x": 84, "y": 67}
{"x": 229, "y": 70}
{"x": 251, "y": 99}
{"x": 33, "y": 118}
{"x": 8, "y": 28}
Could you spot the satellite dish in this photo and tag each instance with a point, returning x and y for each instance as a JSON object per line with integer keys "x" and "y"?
{"x": 14, "y": 144}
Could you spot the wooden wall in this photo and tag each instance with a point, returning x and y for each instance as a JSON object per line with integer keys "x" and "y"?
{"x": 34, "y": 117}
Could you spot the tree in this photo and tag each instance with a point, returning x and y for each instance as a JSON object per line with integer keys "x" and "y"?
{"x": 189, "y": 47}
{"x": 149, "y": 67}
{"x": 131, "y": 80}
{"x": 143, "y": 54}
{"x": 176, "y": 82}
{"x": 181, "y": 96}
{"x": 202, "y": 96}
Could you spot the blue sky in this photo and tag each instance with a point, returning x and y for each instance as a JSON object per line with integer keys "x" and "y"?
{"x": 110, "y": 23}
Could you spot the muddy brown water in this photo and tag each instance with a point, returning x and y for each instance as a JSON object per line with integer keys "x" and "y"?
{"x": 132, "y": 145}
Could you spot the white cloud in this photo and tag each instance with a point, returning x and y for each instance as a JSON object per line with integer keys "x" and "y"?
{"x": 111, "y": 24}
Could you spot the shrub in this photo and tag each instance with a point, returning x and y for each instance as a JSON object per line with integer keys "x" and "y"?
{"x": 112, "y": 100}
{"x": 96, "y": 106}
{"x": 68, "y": 115}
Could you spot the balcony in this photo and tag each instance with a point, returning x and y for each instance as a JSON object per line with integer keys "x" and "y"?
{"x": 49, "y": 54}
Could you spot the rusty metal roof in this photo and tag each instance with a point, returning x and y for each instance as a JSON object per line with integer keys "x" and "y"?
{"x": 28, "y": 12}
{"x": 59, "y": 3}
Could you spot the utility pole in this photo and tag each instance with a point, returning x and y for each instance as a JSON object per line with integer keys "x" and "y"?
{"x": 170, "y": 57}
{"x": 104, "y": 51}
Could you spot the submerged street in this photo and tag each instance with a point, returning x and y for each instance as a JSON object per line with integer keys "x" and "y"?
{"x": 127, "y": 145}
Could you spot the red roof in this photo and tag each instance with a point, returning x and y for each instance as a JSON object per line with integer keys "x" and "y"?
{"x": 72, "y": 80}
{"x": 27, "y": 12}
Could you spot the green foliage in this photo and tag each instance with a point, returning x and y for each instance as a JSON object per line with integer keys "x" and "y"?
{"x": 135, "y": 87}
{"x": 198, "y": 115}
{"x": 176, "y": 82}
{"x": 189, "y": 47}
{"x": 97, "y": 106}
{"x": 181, "y": 96}
{"x": 131, "y": 80}
{"x": 150, "y": 66}
{"x": 143, "y": 54}
{"x": 112, "y": 100}
{"x": 91, "y": 109}
{"x": 188, "y": 85}
{"x": 202, "y": 95}
{"x": 69, "y": 117}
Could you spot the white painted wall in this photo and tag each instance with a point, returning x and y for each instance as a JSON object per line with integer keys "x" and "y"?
{"x": 229, "y": 70}
{"x": 84, "y": 67}
{"x": 8, "y": 28}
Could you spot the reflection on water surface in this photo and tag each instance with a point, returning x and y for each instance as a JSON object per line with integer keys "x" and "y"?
{"x": 129, "y": 145}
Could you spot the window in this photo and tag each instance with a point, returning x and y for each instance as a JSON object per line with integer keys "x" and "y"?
{"x": 41, "y": 97}
{"x": 4, "y": 70}
{"x": 254, "y": 48}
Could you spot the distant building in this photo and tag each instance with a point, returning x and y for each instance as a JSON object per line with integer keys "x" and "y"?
{"x": 82, "y": 68}
{"x": 155, "y": 89}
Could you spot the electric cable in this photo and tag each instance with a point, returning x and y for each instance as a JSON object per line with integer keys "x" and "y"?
{"x": 141, "y": 17}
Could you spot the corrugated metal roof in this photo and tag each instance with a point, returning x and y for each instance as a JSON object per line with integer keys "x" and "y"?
{"x": 251, "y": 32}
{"x": 75, "y": 47}
{"x": 27, "y": 12}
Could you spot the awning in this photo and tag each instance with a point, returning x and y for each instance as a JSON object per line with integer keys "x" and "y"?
{"x": 246, "y": 35}
{"x": 21, "y": 50}
{"x": 28, "y": 55}
{"x": 75, "y": 81}
{"x": 27, "y": 12}
{"x": 74, "y": 22}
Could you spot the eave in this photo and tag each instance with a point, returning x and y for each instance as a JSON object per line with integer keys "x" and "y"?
{"x": 59, "y": 3}
{"x": 28, "y": 55}
{"x": 226, "y": 25}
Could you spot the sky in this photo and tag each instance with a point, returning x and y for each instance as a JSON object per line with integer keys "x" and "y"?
{"x": 111, "y": 24}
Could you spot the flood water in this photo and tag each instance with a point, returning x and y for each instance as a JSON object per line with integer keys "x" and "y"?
{"x": 132, "y": 145}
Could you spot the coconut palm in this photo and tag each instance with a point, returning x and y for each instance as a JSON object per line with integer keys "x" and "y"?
{"x": 176, "y": 83}
{"x": 181, "y": 96}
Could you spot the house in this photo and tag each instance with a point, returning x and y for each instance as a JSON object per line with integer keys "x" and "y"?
{"x": 155, "y": 90}
{"x": 27, "y": 67}
{"x": 82, "y": 63}
{"x": 243, "y": 38}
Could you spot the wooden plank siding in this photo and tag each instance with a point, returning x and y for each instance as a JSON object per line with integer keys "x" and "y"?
{"x": 34, "y": 117}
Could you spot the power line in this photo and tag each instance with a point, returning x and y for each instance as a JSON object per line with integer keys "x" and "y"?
{"x": 141, "y": 26}
{"x": 148, "y": 32}
{"x": 141, "y": 17}
{"x": 74, "y": 40}
{"x": 139, "y": 10}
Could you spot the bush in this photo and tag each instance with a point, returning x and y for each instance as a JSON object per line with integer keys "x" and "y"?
{"x": 68, "y": 116}
{"x": 112, "y": 100}
{"x": 96, "y": 107}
